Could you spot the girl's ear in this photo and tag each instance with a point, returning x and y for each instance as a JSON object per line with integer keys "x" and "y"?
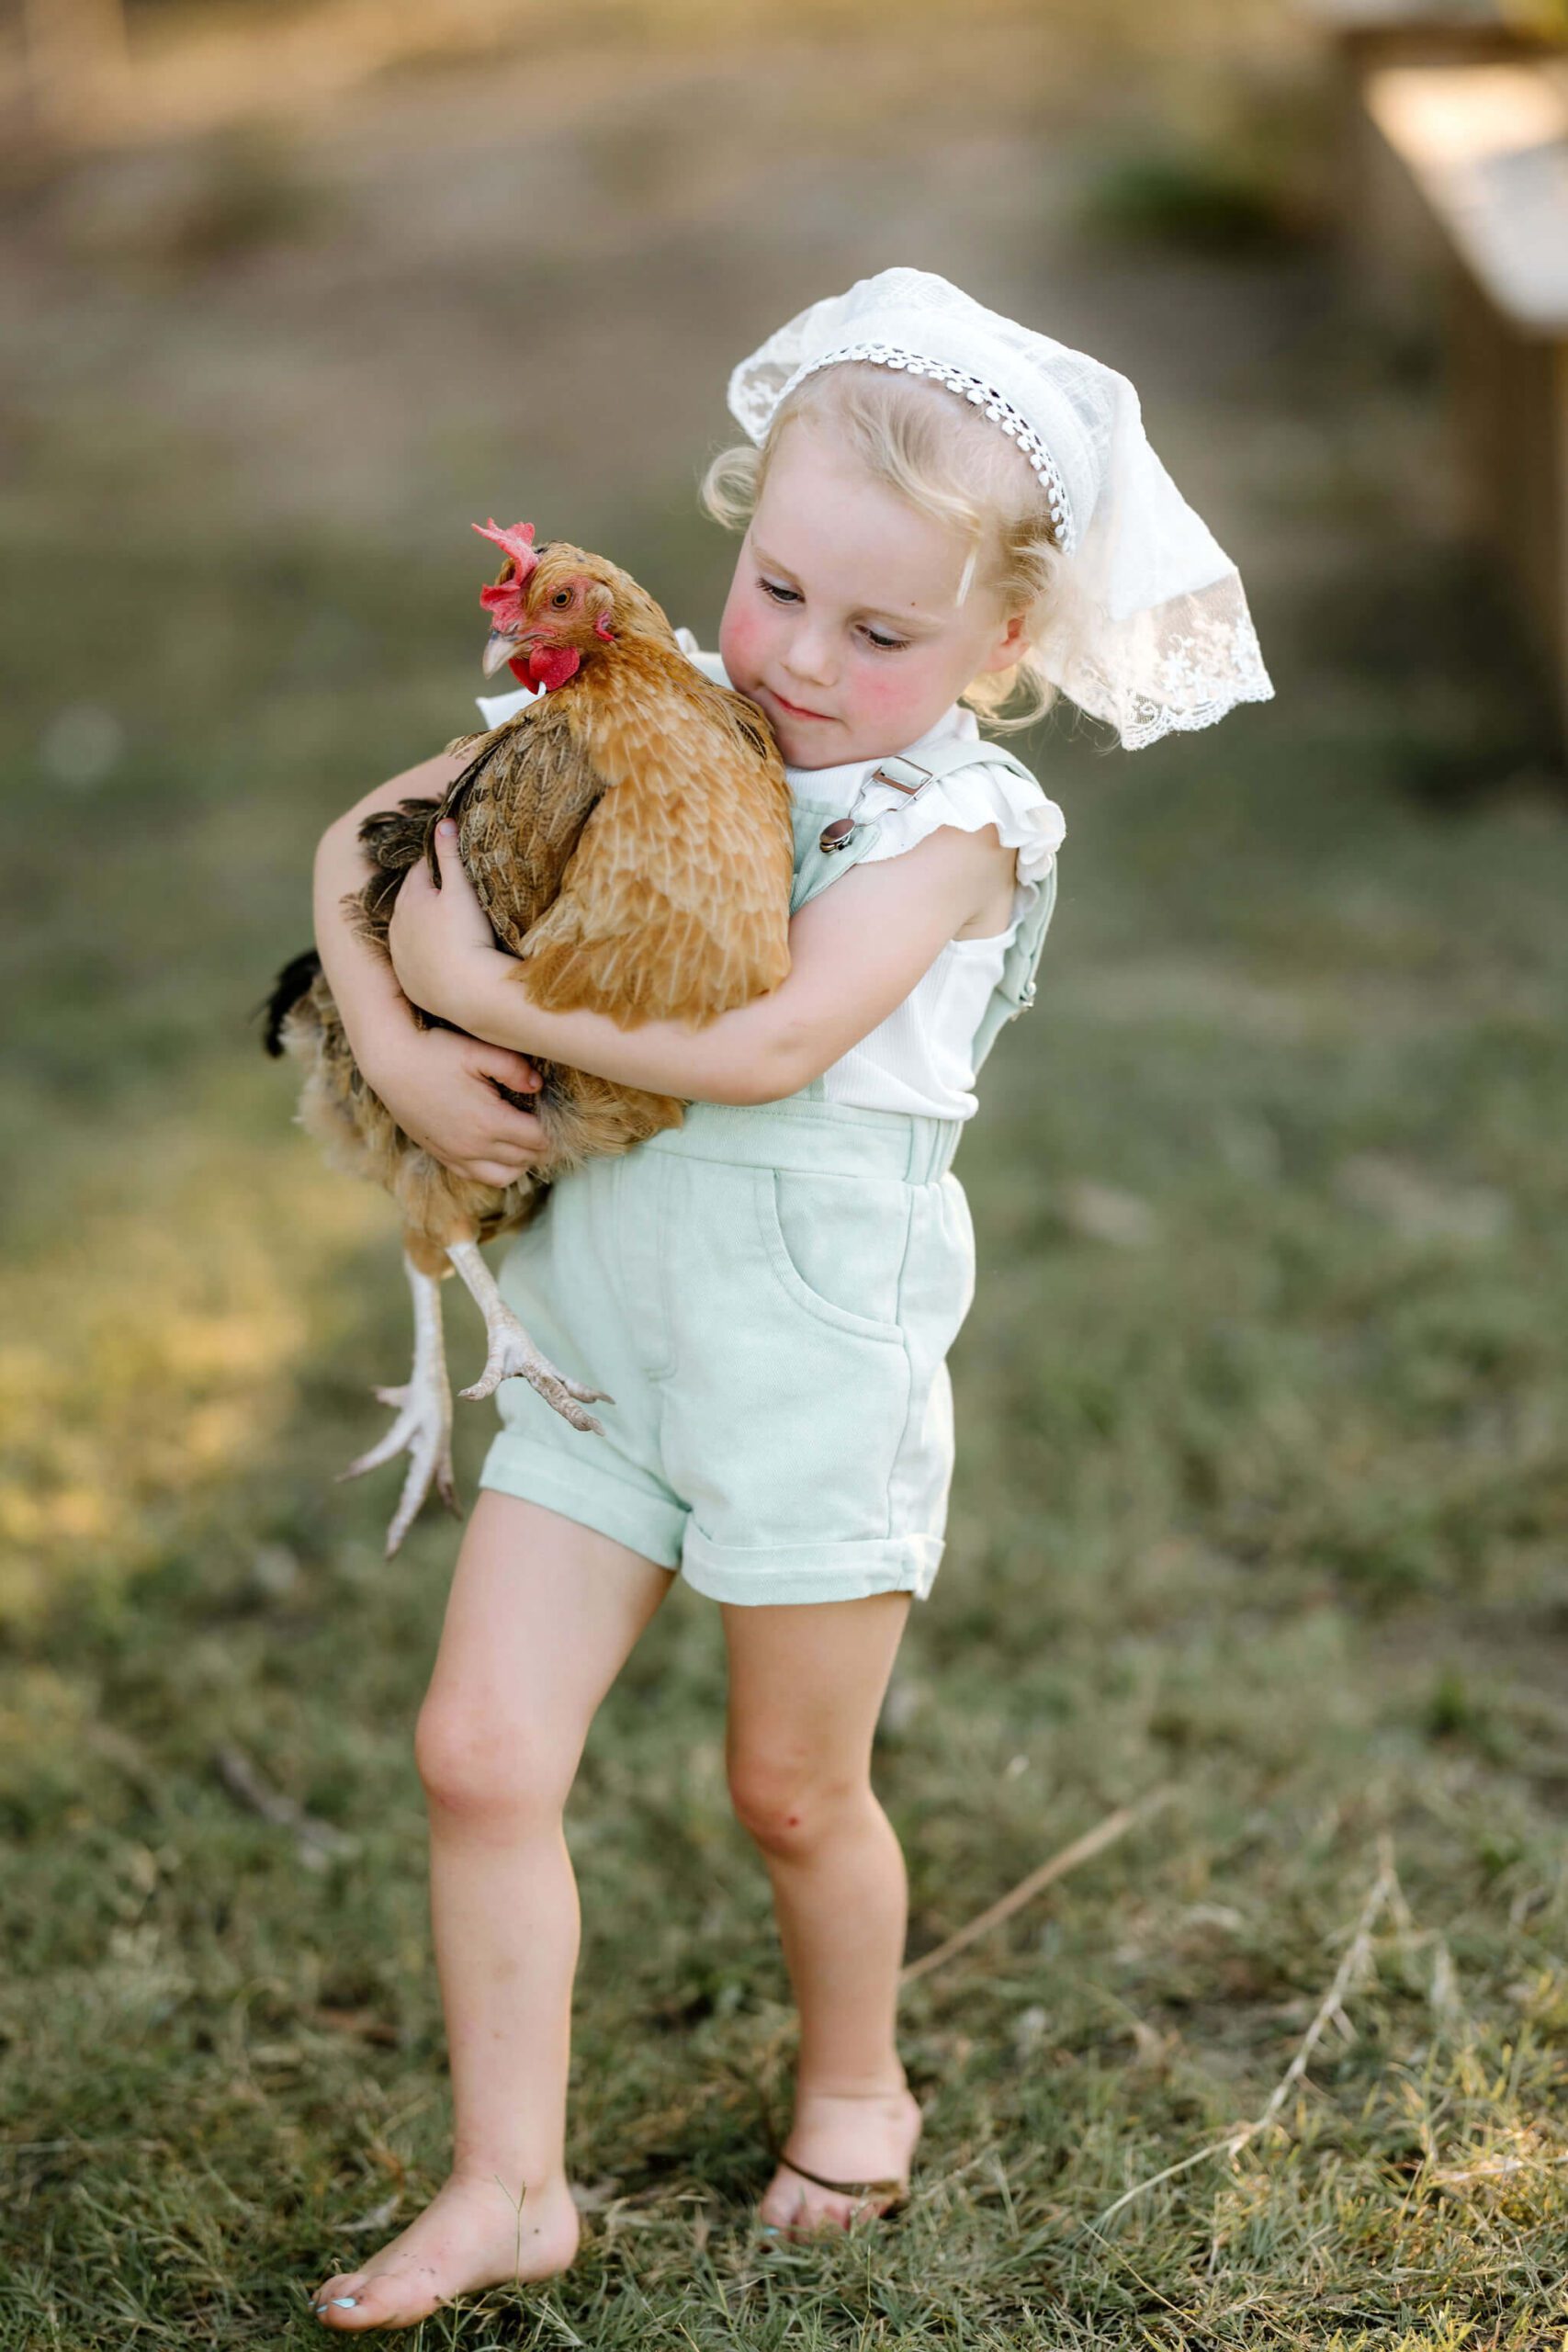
{"x": 1010, "y": 646}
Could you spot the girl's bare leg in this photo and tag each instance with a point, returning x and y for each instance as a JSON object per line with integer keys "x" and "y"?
{"x": 542, "y": 1615}
{"x": 806, "y": 1688}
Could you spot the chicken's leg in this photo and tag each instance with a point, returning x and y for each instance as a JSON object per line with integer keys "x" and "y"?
{"x": 513, "y": 1351}
{"x": 424, "y": 1425}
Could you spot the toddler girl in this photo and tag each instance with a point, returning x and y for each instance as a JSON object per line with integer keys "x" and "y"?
{"x": 946, "y": 511}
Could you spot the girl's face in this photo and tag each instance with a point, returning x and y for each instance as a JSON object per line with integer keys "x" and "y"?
{"x": 840, "y": 621}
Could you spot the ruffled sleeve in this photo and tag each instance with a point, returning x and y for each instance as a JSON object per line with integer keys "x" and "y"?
{"x": 970, "y": 798}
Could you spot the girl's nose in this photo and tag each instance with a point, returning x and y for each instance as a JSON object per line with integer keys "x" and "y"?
{"x": 810, "y": 660}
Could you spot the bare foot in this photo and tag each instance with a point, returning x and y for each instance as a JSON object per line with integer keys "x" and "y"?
{"x": 471, "y": 2236}
{"x": 855, "y": 2136}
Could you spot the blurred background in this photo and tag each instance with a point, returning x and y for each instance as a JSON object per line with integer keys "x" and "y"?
{"x": 1262, "y": 1475}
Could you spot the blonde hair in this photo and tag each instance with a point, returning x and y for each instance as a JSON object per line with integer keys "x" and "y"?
{"x": 941, "y": 456}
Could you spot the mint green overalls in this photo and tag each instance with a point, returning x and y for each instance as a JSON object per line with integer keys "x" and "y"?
{"x": 769, "y": 1293}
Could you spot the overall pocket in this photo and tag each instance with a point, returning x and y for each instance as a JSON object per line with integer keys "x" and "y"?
{"x": 837, "y": 1245}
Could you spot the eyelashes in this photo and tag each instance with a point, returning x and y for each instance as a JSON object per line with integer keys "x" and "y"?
{"x": 791, "y": 597}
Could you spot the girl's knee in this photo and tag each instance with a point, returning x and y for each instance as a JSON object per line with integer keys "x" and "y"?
{"x": 789, "y": 1806}
{"x": 481, "y": 1767}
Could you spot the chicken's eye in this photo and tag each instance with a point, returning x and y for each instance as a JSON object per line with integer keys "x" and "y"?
{"x": 561, "y": 598}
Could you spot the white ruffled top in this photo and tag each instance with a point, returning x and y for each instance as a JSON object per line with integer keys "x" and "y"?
{"x": 922, "y": 1059}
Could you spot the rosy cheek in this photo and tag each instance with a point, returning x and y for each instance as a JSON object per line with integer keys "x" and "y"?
{"x": 881, "y": 693}
{"x": 741, "y": 640}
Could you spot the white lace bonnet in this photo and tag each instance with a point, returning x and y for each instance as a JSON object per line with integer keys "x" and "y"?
{"x": 1150, "y": 629}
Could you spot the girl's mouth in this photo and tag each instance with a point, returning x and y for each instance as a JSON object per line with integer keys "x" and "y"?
{"x": 794, "y": 708}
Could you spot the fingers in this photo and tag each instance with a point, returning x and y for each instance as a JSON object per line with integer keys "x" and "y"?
{"x": 507, "y": 1127}
{"x": 499, "y": 1159}
{"x": 511, "y": 1069}
{"x": 499, "y": 1172}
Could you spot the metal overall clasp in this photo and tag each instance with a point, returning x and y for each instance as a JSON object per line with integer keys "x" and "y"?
{"x": 839, "y": 834}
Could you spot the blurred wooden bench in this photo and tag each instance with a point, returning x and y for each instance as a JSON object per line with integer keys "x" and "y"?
{"x": 1486, "y": 149}
{"x": 1452, "y": 177}
{"x": 1393, "y": 243}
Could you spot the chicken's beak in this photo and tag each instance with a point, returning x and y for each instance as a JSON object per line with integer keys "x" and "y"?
{"x": 499, "y": 650}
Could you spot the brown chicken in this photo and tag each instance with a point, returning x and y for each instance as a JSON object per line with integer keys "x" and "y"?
{"x": 628, "y": 835}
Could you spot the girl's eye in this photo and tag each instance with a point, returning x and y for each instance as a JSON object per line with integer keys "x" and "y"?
{"x": 791, "y": 596}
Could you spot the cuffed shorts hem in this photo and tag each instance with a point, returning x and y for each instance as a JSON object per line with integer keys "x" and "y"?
{"x": 585, "y": 1492}
{"x": 797, "y": 1572}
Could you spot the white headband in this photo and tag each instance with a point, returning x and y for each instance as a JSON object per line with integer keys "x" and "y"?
{"x": 1149, "y": 628}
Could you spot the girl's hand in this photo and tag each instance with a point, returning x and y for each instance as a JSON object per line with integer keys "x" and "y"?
{"x": 438, "y": 938}
{"x": 440, "y": 1085}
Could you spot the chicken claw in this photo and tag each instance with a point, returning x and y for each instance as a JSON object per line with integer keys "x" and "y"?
{"x": 424, "y": 1425}
{"x": 512, "y": 1353}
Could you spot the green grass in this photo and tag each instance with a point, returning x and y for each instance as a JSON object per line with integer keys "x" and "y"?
{"x": 1260, "y": 1501}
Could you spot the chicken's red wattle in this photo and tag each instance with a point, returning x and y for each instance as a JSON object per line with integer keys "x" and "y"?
{"x": 547, "y": 665}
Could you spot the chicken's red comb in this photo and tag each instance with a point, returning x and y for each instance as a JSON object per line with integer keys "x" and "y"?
{"x": 503, "y": 599}
{"x": 518, "y": 543}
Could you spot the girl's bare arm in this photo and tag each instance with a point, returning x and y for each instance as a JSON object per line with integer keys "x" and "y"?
{"x": 438, "y": 1084}
{"x": 855, "y": 954}
{"x": 374, "y": 1009}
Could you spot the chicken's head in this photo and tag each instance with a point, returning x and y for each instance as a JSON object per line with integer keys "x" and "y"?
{"x": 554, "y": 605}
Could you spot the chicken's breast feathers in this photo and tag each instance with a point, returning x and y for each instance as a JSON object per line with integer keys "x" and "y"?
{"x": 675, "y": 903}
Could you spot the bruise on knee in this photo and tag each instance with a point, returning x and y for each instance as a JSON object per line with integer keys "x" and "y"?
{"x": 793, "y": 1814}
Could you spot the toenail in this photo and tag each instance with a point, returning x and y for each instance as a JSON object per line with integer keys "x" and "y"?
{"x": 769, "y": 2229}
{"x": 344, "y": 2302}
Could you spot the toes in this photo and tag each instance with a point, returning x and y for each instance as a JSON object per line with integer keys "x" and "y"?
{"x": 795, "y": 2207}
{"x": 371, "y": 1461}
{"x": 343, "y": 2282}
{"x": 338, "y": 2297}
{"x": 513, "y": 1356}
{"x": 580, "y": 1419}
{"x": 794, "y": 2211}
{"x": 350, "y": 2307}
{"x": 777, "y": 2209}
{"x": 557, "y": 1390}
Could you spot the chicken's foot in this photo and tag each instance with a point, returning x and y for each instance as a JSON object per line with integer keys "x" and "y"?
{"x": 512, "y": 1353}
{"x": 424, "y": 1425}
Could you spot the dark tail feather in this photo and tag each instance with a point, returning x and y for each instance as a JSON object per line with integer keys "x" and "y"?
{"x": 292, "y": 983}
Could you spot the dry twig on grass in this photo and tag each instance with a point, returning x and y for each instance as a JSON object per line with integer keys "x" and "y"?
{"x": 1093, "y": 1841}
{"x": 318, "y": 1840}
{"x": 1384, "y": 1893}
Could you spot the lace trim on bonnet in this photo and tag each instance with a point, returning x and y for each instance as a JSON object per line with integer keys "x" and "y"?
{"x": 1149, "y": 626}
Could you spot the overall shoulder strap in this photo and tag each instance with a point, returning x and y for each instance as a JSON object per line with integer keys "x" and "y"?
{"x": 821, "y": 859}
{"x": 1014, "y": 991}
{"x": 945, "y": 759}
{"x": 816, "y": 868}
